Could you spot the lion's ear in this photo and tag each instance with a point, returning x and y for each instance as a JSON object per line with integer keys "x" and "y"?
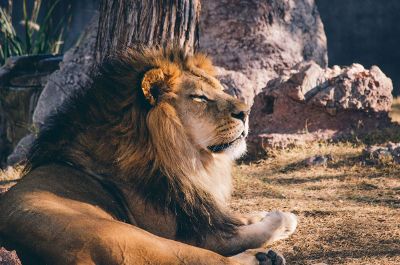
{"x": 152, "y": 79}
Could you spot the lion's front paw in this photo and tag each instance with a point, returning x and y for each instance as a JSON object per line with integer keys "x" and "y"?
{"x": 259, "y": 257}
{"x": 270, "y": 258}
{"x": 279, "y": 225}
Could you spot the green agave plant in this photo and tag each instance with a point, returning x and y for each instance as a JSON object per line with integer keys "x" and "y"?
{"x": 39, "y": 37}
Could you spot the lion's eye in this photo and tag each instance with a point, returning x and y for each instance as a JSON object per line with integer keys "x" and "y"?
{"x": 199, "y": 98}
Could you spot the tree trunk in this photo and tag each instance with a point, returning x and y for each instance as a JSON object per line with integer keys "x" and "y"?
{"x": 124, "y": 23}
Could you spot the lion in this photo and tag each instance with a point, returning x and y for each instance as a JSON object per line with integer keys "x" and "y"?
{"x": 136, "y": 169}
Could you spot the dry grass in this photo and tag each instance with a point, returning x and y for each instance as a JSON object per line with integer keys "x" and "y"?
{"x": 8, "y": 177}
{"x": 349, "y": 213}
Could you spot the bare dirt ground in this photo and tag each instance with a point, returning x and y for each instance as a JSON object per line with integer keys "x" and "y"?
{"x": 349, "y": 211}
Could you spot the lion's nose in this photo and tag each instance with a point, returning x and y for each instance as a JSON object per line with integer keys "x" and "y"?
{"x": 241, "y": 115}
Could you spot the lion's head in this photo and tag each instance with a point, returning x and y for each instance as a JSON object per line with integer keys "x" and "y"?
{"x": 213, "y": 120}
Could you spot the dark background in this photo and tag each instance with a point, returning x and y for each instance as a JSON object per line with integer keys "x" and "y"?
{"x": 365, "y": 32}
{"x": 358, "y": 31}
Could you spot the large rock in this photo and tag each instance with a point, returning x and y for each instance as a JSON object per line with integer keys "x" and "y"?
{"x": 261, "y": 38}
{"x": 73, "y": 74}
{"x": 311, "y": 103}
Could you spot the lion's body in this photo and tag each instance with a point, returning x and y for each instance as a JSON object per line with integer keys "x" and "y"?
{"x": 112, "y": 179}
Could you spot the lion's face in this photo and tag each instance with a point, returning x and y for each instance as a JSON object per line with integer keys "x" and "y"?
{"x": 214, "y": 120}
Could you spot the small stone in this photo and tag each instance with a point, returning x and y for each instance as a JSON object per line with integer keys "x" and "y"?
{"x": 375, "y": 155}
{"x": 319, "y": 160}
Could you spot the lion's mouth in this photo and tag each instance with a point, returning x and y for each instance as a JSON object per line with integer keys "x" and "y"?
{"x": 221, "y": 147}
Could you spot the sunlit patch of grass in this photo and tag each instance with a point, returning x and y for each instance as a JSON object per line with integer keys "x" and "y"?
{"x": 10, "y": 174}
{"x": 395, "y": 113}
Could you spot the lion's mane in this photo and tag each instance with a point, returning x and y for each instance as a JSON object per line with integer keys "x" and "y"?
{"x": 109, "y": 128}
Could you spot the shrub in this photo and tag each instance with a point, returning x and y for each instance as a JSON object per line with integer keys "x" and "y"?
{"x": 38, "y": 37}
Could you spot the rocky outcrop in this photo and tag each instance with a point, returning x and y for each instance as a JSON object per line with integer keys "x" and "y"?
{"x": 22, "y": 80}
{"x": 261, "y": 38}
{"x": 311, "y": 103}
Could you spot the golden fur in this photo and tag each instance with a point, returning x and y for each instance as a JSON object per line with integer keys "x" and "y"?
{"x": 148, "y": 147}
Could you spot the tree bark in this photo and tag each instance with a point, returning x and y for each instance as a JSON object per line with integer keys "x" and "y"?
{"x": 124, "y": 23}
